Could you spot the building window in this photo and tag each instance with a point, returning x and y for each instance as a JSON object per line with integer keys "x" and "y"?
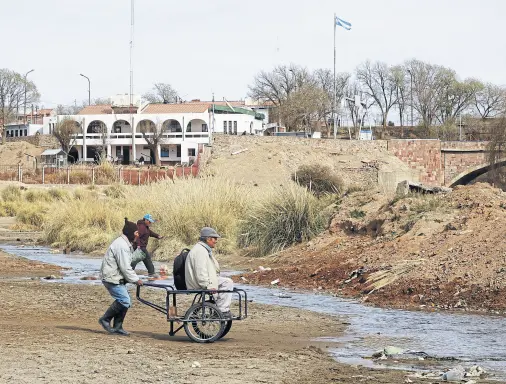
{"x": 178, "y": 151}
{"x": 191, "y": 151}
{"x": 204, "y": 127}
{"x": 26, "y": 133}
{"x": 225, "y": 127}
{"x": 229, "y": 127}
{"x": 235, "y": 127}
{"x": 164, "y": 152}
{"x": 16, "y": 132}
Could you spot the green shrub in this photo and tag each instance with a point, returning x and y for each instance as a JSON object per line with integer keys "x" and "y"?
{"x": 32, "y": 214}
{"x": 11, "y": 193}
{"x": 33, "y": 196}
{"x": 319, "y": 179}
{"x": 282, "y": 218}
{"x": 357, "y": 214}
{"x": 57, "y": 194}
{"x": 115, "y": 191}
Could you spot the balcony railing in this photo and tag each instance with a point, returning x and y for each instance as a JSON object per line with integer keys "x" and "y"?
{"x": 128, "y": 135}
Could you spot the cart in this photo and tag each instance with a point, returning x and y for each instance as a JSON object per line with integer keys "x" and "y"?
{"x": 203, "y": 322}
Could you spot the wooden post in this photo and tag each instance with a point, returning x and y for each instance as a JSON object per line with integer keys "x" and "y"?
{"x": 93, "y": 175}
{"x": 68, "y": 175}
{"x": 139, "y": 177}
{"x": 20, "y": 173}
{"x": 43, "y": 174}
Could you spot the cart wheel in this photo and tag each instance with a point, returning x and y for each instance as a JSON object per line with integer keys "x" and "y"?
{"x": 227, "y": 328}
{"x": 228, "y": 325}
{"x": 200, "y": 330}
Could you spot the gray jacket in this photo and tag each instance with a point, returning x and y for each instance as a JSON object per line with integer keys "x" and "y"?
{"x": 116, "y": 263}
{"x": 201, "y": 268}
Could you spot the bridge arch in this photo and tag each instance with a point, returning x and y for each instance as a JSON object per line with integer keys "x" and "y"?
{"x": 472, "y": 173}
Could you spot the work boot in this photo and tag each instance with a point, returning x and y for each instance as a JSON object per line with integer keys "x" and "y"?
{"x": 112, "y": 312}
{"x": 118, "y": 322}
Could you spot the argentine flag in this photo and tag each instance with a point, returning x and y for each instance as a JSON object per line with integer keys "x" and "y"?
{"x": 342, "y": 23}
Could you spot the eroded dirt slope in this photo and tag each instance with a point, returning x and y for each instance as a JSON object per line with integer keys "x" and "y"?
{"x": 418, "y": 251}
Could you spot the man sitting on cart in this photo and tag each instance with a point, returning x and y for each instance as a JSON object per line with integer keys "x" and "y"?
{"x": 202, "y": 270}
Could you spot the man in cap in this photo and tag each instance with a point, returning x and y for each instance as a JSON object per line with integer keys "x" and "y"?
{"x": 116, "y": 272}
{"x": 145, "y": 232}
{"x": 202, "y": 270}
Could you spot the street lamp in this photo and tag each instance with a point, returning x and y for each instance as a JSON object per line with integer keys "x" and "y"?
{"x": 26, "y": 74}
{"x": 89, "y": 88}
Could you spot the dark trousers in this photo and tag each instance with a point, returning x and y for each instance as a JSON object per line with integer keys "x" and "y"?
{"x": 147, "y": 262}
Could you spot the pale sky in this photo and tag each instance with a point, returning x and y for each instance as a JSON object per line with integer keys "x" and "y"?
{"x": 206, "y": 46}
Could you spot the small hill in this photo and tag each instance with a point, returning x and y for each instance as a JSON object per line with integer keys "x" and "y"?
{"x": 12, "y": 153}
{"x": 255, "y": 160}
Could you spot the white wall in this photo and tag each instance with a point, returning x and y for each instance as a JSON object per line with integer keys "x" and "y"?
{"x": 243, "y": 123}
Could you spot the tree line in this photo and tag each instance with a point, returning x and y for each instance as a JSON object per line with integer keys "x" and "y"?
{"x": 419, "y": 93}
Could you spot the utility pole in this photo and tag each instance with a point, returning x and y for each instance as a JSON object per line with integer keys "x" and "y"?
{"x": 26, "y": 74}
{"x": 89, "y": 88}
{"x": 411, "y": 92}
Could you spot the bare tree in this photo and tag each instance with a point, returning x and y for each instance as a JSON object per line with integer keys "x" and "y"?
{"x": 305, "y": 106}
{"x": 278, "y": 85}
{"x": 455, "y": 97}
{"x": 65, "y": 132}
{"x": 324, "y": 78}
{"x": 358, "y": 112}
{"x": 377, "y": 81}
{"x": 12, "y": 92}
{"x": 490, "y": 100}
{"x": 428, "y": 83}
{"x": 400, "y": 78}
{"x": 161, "y": 93}
{"x": 153, "y": 134}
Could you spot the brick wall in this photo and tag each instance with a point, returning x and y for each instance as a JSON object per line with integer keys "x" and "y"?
{"x": 458, "y": 162}
{"x": 421, "y": 155}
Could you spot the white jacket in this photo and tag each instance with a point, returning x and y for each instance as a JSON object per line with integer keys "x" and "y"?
{"x": 116, "y": 263}
{"x": 201, "y": 269}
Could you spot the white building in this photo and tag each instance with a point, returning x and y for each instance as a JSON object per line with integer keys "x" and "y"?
{"x": 118, "y": 129}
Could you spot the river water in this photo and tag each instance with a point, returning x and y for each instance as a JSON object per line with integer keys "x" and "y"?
{"x": 470, "y": 339}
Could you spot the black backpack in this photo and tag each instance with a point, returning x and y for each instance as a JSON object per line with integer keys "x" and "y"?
{"x": 178, "y": 269}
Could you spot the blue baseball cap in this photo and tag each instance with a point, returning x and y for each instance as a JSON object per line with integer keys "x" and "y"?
{"x": 149, "y": 218}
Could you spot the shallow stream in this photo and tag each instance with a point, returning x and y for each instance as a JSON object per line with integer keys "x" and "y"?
{"x": 470, "y": 339}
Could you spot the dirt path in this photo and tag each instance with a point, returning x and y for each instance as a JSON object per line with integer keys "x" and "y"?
{"x": 49, "y": 334}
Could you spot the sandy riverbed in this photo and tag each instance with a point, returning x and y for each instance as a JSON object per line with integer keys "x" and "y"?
{"x": 49, "y": 334}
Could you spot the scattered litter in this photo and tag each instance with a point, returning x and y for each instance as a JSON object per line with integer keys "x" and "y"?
{"x": 52, "y": 277}
{"x": 283, "y": 295}
{"x": 275, "y": 282}
{"x": 243, "y": 278}
{"x": 195, "y": 364}
{"x": 458, "y": 373}
{"x": 89, "y": 278}
{"x": 130, "y": 351}
{"x": 262, "y": 269}
{"x": 240, "y": 151}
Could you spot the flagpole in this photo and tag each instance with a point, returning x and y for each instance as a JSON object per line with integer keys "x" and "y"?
{"x": 335, "y": 89}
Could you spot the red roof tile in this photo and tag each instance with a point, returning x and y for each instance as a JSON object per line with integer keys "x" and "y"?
{"x": 96, "y": 110}
{"x": 177, "y": 108}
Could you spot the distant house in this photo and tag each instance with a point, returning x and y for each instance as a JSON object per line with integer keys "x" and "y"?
{"x": 55, "y": 158}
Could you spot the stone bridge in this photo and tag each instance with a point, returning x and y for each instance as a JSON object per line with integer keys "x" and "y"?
{"x": 446, "y": 163}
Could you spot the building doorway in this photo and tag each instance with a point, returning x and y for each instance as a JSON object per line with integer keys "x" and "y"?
{"x": 126, "y": 155}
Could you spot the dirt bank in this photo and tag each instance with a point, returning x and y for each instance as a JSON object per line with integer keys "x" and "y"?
{"x": 49, "y": 334}
{"x": 412, "y": 252}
